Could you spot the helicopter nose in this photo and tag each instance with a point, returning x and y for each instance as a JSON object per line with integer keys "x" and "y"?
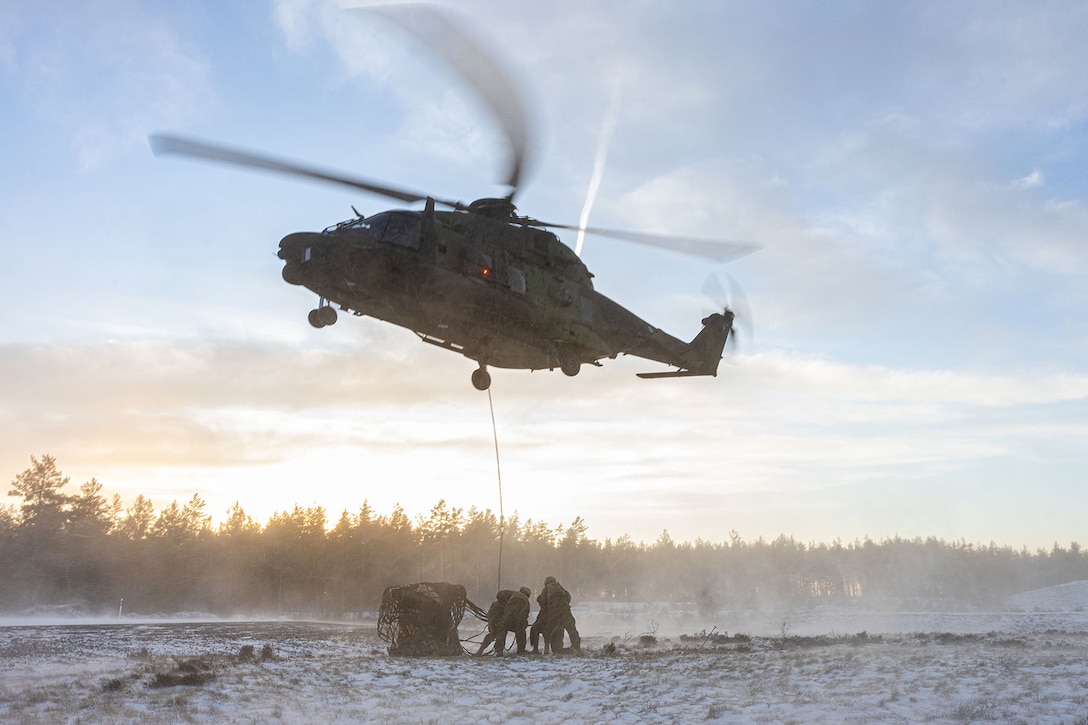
{"x": 296, "y": 250}
{"x": 298, "y": 246}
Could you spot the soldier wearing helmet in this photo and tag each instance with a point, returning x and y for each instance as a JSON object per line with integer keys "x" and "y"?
{"x": 555, "y": 618}
{"x": 509, "y": 612}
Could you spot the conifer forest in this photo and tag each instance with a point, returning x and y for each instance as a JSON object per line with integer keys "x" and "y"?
{"x": 85, "y": 550}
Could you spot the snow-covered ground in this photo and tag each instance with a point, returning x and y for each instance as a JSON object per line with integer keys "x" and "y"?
{"x": 1071, "y": 597}
{"x": 826, "y": 667}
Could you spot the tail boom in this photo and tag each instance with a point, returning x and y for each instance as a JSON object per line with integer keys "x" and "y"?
{"x": 700, "y": 356}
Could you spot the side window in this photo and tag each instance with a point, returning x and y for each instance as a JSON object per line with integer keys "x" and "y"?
{"x": 587, "y": 309}
{"x": 396, "y": 228}
{"x": 517, "y": 280}
{"x": 402, "y": 231}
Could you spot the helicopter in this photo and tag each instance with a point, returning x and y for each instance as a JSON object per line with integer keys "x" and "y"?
{"x": 477, "y": 279}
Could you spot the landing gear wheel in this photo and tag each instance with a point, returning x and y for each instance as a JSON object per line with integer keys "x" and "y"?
{"x": 481, "y": 379}
{"x": 322, "y": 316}
{"x": 569, "y": 364}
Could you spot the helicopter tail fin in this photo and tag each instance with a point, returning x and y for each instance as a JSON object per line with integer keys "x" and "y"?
{"x": 709, "y": 343}
{"x": 704, "y": 352}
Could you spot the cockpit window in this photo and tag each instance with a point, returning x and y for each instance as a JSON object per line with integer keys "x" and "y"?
{"x": 401, "y": 228}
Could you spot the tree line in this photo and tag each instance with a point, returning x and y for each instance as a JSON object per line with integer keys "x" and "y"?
{"x": 88, "y": 551}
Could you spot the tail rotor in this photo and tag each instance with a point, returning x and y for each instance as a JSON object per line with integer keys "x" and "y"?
{"x": 731, "y": 300}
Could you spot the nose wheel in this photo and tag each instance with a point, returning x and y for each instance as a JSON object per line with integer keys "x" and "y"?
{"x": 481, "y": 379}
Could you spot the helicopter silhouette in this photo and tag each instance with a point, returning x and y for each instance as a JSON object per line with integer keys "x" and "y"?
{"x": 477, "y": 278}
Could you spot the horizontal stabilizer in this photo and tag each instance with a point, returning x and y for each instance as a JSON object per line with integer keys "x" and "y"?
{"x": 673, "y": 374}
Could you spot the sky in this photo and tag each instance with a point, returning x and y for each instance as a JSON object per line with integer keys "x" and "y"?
{"x": 913, "y": 173}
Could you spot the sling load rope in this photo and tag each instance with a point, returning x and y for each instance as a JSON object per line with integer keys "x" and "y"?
{"x": 498, "y": 471}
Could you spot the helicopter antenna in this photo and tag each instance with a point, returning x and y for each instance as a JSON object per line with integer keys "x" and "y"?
{"x": 498, "y": 471}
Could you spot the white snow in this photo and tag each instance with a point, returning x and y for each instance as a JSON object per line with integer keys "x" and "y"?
{"x": 1071, "y": 597}
{"x": 814, "y": 667}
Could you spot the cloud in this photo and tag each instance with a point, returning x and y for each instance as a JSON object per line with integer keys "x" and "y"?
{"x": 259, "y": 401}
{"x": 295, "y": 19}
{"x": 1035, "y": 178}
{"x": 106, "y": 75}
{"x": 1009, "y": 67}
{"x": 436, "y": 118}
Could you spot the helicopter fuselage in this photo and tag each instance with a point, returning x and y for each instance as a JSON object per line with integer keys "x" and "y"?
{"x": 503, "y": 293}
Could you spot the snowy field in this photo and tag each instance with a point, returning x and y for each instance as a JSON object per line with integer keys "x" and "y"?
{"x": 828, "y": 667}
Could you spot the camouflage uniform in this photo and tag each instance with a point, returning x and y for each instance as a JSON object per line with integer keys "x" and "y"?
{"x": 558, "y": 617}
{"x": 509, "y": 612}
{"x": 539, "y": 623}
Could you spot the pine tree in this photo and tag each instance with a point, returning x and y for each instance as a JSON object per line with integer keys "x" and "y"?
{"x": 43, "y": 508}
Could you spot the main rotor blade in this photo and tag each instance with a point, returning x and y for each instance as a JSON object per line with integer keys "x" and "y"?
{"x": 438, "y": 31}
{"x": 718, "y": 251}
{"x": 166, "y": 144}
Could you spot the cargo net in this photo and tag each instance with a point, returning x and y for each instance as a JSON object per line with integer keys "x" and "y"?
{"x": 421, "y": 620}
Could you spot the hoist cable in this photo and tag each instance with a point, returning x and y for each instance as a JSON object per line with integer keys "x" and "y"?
{"x": 498, "y": 472}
